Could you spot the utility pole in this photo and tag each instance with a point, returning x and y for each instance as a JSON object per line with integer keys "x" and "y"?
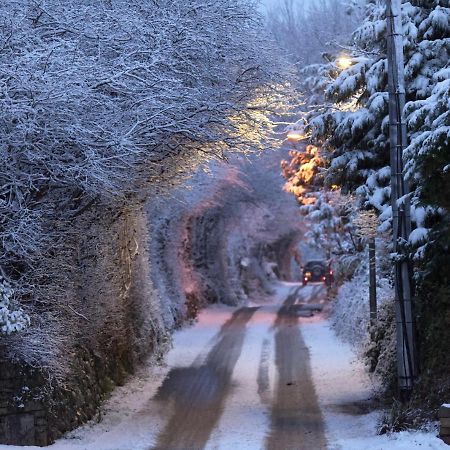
{"x": 401, "y": 219}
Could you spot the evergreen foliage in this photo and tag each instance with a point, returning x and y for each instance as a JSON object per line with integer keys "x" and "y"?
{"x": 349, "y": 119}
{"x": 352, "y": 124}
{"x": 329, "y": 213}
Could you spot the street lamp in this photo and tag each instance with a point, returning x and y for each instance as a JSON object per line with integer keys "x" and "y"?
{"x": 295, "y": 136}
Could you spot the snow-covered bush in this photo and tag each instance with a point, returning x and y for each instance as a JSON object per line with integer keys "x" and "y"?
{"x": 381, "y": 350}
{"x": 351, "y": 316}
{"x": 11, "y": 320}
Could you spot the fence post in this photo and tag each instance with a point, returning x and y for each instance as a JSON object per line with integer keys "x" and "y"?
{"x": 372, "y": 283}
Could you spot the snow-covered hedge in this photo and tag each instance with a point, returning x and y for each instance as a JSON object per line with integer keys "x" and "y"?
{"x": 351, "y": 318}
{"x": 351, "y": 321}
{"x": 103, "y": 98}
{"x": 11, "y": 320}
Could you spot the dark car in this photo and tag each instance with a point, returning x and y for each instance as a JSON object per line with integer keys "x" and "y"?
{"x": 317, "y": 272}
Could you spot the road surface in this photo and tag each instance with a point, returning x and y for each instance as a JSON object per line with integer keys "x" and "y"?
{"x": 195, "y": 396}
{"x": 264, "y": 376}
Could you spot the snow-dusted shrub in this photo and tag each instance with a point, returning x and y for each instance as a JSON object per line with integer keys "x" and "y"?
{"x": 351, "y": 319}
{"x": 11, "y": 320}
{"x": 346, "y": 266}
{"x": 350, "y": 316}
{"x": 401, "y": 417}
{"x": 381, "y": 352}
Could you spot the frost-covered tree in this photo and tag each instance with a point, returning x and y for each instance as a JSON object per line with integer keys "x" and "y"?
{"x": 327, "y": 212}
{"x": 99, "y": 99}
{"x": 305, "y": 30}
{"x": 331, "y": 227}
{"x": 304, "y": 173}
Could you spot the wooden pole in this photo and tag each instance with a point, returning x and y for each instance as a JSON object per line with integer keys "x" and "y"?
{"x": 401, "y": 220}
{"x": 372, "y": 283}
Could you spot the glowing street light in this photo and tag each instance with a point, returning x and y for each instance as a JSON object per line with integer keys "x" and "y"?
{"x": 343, "y": 62}
{"x": 295, "y": 136}
{"x": 297, "y": 133}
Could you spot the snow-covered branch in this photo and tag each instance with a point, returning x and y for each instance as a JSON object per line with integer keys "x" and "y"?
{"x": 99, "y": 99}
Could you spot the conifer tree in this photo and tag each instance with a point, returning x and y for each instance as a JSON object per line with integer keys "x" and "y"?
{"x": 349, "y": 119}
{"x": 353, "y": 121}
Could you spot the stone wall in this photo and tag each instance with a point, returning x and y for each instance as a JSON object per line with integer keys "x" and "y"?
{"x": 23, "y": 420}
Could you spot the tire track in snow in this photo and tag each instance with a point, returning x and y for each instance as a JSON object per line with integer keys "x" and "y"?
{"x": 197, "y": 394}
{"x": 296, "y": 419}
{"x": 263, "y": 372}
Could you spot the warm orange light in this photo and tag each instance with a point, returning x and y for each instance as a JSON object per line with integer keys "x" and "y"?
{"x": 295, "y": 136}
{"x": 344, "y": 62}
{"x": 312, "y": 150}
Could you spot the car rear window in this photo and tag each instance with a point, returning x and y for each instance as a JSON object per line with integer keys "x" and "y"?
{"x": 315, "y": 263}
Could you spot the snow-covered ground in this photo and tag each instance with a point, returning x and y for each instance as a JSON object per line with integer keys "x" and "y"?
{"x": 344, "y": 389}
{"x": 132, "y": 419}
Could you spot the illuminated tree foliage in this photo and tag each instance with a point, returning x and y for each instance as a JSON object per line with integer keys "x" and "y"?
{"x": 327, "y": 212}
{"x": 304, "y": 173}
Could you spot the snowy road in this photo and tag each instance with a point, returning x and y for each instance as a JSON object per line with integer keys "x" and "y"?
{"x": 268, "y": 376}
{"x": 196, "y": 395}
{"x": 295, "y": 418}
